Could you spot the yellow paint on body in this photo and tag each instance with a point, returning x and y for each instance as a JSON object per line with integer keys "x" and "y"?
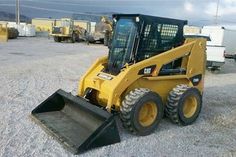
{"x": 110, "y": 92}
{"x": 3, "y": 33}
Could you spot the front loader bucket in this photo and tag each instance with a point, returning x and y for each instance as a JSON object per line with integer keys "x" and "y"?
{"x": 75, "y": 123}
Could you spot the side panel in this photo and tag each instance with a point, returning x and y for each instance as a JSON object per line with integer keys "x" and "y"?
{"x": 215, "y": 53}
{"x": 215, "y": 33}
{"x": 197, "y": 61}
{"x": 229, "y": 41}
{"x": 161, "y": 86}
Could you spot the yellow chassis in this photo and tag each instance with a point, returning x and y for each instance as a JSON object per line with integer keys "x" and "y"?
{"x": 110, "y": 89}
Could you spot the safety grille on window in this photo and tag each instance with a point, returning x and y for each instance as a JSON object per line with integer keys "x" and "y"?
{"x": 157, "y": 38}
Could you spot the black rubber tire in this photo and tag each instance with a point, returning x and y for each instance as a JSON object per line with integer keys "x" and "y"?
{"x": 105, "y": 43}
{"x": 131, "y": 105}
{"x": 215, "y": 70}
{"x": 73, "y": 38}
{"x": 106, "y": 38}
{"x": 175, "y": 103}
{"x": 77, "y": 38}
{"x": 57, "y": 39}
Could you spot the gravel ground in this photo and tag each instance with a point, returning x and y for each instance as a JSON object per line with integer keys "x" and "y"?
{"x": 34, "y": 68}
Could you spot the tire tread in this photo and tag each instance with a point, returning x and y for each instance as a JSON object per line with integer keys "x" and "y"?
{"x": 127, "y": 106}
{"x": 171, "y": 109}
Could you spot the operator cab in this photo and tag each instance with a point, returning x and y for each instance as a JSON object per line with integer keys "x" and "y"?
{"x": 59, "y": 27}
{"x": 66, "y": 22}
{"x": 137, "y": 37}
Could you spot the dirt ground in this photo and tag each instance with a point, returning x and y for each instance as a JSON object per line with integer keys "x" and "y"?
{"x": 31, "y": 69}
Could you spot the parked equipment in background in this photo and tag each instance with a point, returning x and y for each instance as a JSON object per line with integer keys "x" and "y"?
{"x": 215, "y": 47}
{"x": 151, "y": 69}
{"x": 12, "y": 33}
{"x": 222, "y": 44}
{"x": 24, "y": 29}
{"x": 231, "y": 56}
{"x": 66, "y": 31}
{"x": 229, "y": 41}
{"x": 44, "y": 25}
{"x": 192, "y": 30}
{"x": 103, "y": 32}
{"x": 3, "y": 33}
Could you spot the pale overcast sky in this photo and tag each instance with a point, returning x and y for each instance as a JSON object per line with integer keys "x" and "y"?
{"x": 197, "y": 12}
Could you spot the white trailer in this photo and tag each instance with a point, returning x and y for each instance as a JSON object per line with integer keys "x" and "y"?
{"x": 222, "y": 41}
{"x": 215, "y": 56}
{"x": 215, "y": 49}
{"x": 229, "y": 42}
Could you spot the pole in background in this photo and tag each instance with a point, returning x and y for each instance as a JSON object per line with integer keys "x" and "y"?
{"x": 217, "y": 12}
{"x": 18, "y": 12}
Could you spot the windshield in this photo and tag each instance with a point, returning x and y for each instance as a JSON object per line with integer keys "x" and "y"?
{"x": 122, "y": 44}
{"x": 65, "y": 23}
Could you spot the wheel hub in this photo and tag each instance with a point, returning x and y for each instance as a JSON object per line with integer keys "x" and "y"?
{"x": 190, "y": 106}
{"x": 147, "y": 114}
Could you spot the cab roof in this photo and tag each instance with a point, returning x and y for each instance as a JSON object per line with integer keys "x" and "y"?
{"x": 150, "y": 18}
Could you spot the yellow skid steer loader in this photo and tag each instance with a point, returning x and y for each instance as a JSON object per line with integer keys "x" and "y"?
{"x": 151, "y": 70}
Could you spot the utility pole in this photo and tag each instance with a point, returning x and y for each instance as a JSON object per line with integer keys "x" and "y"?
{"x": 18, "y": 12}
{"x": 217, "y": 12}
